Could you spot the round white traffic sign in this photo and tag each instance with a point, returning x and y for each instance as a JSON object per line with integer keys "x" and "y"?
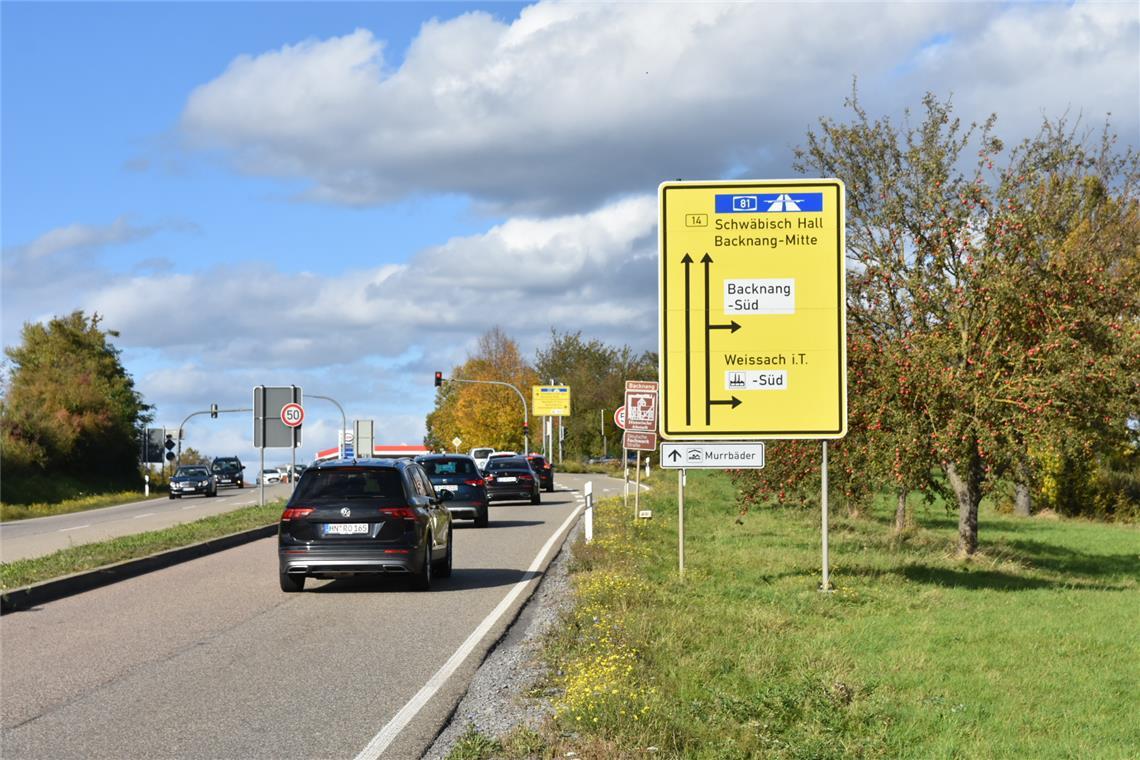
{"x": 292, "y": 415}
{"x": 619, "y": 417}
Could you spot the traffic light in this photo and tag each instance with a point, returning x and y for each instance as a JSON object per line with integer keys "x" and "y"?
{"x": 214, "y": 411}
{"x": 438, "y": 379}
{"x": 526, "y": 430}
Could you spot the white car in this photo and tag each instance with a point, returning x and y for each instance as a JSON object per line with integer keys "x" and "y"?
{"x": 480, "y": 456}
{"x": 270, "y": 476}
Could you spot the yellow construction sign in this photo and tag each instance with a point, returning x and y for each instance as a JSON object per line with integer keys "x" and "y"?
{"x": 550, "y": 400}
{"x": 752, "y": 311}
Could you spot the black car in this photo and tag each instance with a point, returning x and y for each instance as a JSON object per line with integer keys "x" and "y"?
{"x": 229, "y": 471}
{"x": 364, "y": 517}
{"x": 190, "y": 479}
{"x": 544, "y": 470}
{"x": 458, "y": 474}
{"x": 512, "y": 478}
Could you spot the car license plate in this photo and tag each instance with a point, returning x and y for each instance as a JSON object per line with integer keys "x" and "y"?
{"x": 345, "y": 529}
{"x": 447, "y": 488}
{"x": 508, "y": 480}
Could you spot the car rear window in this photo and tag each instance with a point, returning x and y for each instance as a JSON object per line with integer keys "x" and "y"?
{"x": 537, "y": 461}
{"x": 507, "y": 464}
{"x": 446, "y": 467}
{"x": 350, "y": 483}
{"x": 480, "y": 453}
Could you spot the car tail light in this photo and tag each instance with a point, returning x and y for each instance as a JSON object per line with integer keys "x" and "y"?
{"x": 525, "y": 477}
{"x": 295, "y": 513}
{"x": 477, "y": 482}
{"x": 490, "y": 479}
{"x": 399, "y": 513}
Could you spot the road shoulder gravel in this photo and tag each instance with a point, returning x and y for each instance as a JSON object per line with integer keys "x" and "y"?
{"x": 499, "y": 697}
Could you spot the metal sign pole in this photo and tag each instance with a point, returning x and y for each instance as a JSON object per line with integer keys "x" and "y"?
{"x": 826, "y": 586}
{"x": 261, "y": 480}
{"x": 637, "y": 488}
{"x": 625, "y": 471}
{"x": 681, "y": 523}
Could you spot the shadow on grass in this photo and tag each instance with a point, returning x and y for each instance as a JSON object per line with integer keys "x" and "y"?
{"x": 1059, "y": 559}
{"x": 995, "y": 580}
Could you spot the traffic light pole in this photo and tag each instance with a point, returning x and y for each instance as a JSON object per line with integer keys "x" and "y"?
{"x": 526, "y": 418}
{"x": 214, "y": 412}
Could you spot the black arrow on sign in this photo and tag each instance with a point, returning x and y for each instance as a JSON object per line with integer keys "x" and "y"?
{"x": 706, "y": 260}
{"x": 688, "y": 356}
{"x": 733, "y": 327}
{"x": 735, "y": 402}
{"x": 674, "y": 455}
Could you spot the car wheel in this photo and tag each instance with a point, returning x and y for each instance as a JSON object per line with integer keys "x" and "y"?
{"x": 481, "y": 518}
{"x": 291, "y": 583}
{"x": 421, "y": 581}
{"x": 536, "y": 499}
{"x": 550, "y": 488}
{"x": 170, "y": 495}
{"x": 444, "y": 568}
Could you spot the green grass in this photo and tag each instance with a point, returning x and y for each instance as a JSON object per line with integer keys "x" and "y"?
{"x": 90, "y": 556}
{"x": 10, "y": 512}
{"x": 1027, "y": 650}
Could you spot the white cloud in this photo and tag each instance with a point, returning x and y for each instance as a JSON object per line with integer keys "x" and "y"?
{"x": 574, "y": 103}
{"x": 371, "y": 338}
{"x": 570, "y": 104}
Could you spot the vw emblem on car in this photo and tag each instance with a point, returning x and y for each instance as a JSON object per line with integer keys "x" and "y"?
{"x": 345, "y": 512}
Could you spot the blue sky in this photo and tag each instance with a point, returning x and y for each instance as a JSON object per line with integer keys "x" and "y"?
{"x": 329, "y": 194}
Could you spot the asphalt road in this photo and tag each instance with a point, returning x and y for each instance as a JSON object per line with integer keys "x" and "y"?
{"x": 209, "y": 659}
{"x": 36, "y": 537}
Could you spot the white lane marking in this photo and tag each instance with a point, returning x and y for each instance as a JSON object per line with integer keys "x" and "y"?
{"x": 401, "y": 719}
{"x": 77, "y": 527}
{"x": 148, "y": 514}
{"x": 190, "y": 506}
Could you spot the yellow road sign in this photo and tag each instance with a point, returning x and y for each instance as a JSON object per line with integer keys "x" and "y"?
{"x": 752, "y": 310}
{"x": 550, "y": 400}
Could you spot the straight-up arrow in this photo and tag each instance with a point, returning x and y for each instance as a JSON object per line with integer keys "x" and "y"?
{"x": 706, "y": 260}
{"x": 687, "y": 261}
{"x": 674, "y": 455}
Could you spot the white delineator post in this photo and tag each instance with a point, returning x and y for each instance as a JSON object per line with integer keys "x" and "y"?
{"x": 589, "y": 514}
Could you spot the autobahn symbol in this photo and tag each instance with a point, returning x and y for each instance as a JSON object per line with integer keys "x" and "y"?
{"x": 752, "y": 310}
{"x": 292, "y": 415}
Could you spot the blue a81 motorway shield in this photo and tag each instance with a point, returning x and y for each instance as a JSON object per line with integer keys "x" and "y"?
{"x": 769, "y": 203}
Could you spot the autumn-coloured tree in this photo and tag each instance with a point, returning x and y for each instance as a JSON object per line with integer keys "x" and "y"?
{"x": 484, "y": 415}
{"x": 960, "y": 276}
{"x": 596, "y": 374}
{"x": 69, "y": 407}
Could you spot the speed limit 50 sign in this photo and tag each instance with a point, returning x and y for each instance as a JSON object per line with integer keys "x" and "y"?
{"x": 292, "y": 415}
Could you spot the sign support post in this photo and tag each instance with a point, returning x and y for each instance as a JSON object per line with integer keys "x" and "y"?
{"x": 681, "y": 523}
{"x": 826, "y": 585}
{"x": 637, "y": 488}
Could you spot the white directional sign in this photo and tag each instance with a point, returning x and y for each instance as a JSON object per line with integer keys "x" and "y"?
{"x": 721, "y": 455}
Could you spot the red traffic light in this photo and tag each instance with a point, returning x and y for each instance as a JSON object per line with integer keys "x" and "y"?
{"x": 438, "y": 379}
